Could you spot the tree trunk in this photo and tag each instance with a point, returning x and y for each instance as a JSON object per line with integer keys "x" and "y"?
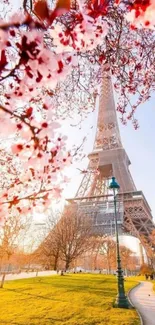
{"x": 108, "y": 265}
{"x": 67, "y": 264}
{"x": 56, "y": 263}
{"x": 55, "y": 266}
{"x": 2, "y": 281}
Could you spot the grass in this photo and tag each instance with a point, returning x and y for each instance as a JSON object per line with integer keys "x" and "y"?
{"x": 153, "y": 282}
{"x": 70, "y": 300}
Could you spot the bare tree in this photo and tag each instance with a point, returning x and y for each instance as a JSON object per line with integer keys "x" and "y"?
{"x": 108, "y": 250}
{"x": 148, "y": 242}
{"x": 146, "y": 269}
{"x": 126, "y": 258}
{"x": 49, "y": 251}
{"x": 94, "y": 254}
{"x": 69, "y": 238}
{"x": 106, "y": 247}
{"x": 10, "y": 234}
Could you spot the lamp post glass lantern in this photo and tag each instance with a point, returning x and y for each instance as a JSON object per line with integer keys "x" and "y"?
{"x": 121, "y": 299}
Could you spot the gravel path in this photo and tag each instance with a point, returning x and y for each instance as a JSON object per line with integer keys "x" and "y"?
{"x": 143, "y": 299}
{"x": 25, "y": 275}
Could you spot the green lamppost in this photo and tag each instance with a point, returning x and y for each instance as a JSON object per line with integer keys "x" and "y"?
{"x": 121, "y": 299}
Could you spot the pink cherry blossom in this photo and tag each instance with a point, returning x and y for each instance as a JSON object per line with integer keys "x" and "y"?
{"x": 49, "y": 70}
{"x": 144, "y": 19}
{"x": 17, "y": 148}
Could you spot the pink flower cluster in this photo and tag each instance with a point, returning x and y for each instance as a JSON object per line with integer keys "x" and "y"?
{"x": 143, "y": 14}
{"x": 33, "y": 60}
{"x": 36, "y": 54}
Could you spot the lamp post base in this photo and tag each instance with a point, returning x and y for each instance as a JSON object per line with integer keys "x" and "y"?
{"x": 122, "y": 302}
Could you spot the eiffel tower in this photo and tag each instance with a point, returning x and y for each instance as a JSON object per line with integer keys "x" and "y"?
{"x": 108, "y": 158}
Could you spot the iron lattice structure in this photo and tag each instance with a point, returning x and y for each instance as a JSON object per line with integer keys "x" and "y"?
{"x": 108, "y": 159}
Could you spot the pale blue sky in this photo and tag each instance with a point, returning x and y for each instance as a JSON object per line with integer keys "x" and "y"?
{"x": 140, "y": 146}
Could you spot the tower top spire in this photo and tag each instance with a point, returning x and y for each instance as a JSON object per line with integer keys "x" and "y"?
{"x": 107, "y": 134}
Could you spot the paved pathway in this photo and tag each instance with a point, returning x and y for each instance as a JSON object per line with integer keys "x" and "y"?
{"x": 143, "y": 299}
{"x": 25, "y": 275}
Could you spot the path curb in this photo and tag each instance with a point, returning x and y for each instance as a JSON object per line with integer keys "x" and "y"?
{"x": 128, "y": 295}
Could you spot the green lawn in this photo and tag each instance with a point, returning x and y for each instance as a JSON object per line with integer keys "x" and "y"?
{"x": 64, "y": 300}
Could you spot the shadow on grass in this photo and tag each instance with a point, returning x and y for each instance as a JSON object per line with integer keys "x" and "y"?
{"x": 103, "y": 287}
{"x": 110, "y": 293}
{"x": 28, "y": 294}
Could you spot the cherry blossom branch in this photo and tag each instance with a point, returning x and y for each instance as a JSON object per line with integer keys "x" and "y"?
{"x": 52, "y": 59}
{"x": 22, "y": 118}
{"x": 31, "y": 197}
